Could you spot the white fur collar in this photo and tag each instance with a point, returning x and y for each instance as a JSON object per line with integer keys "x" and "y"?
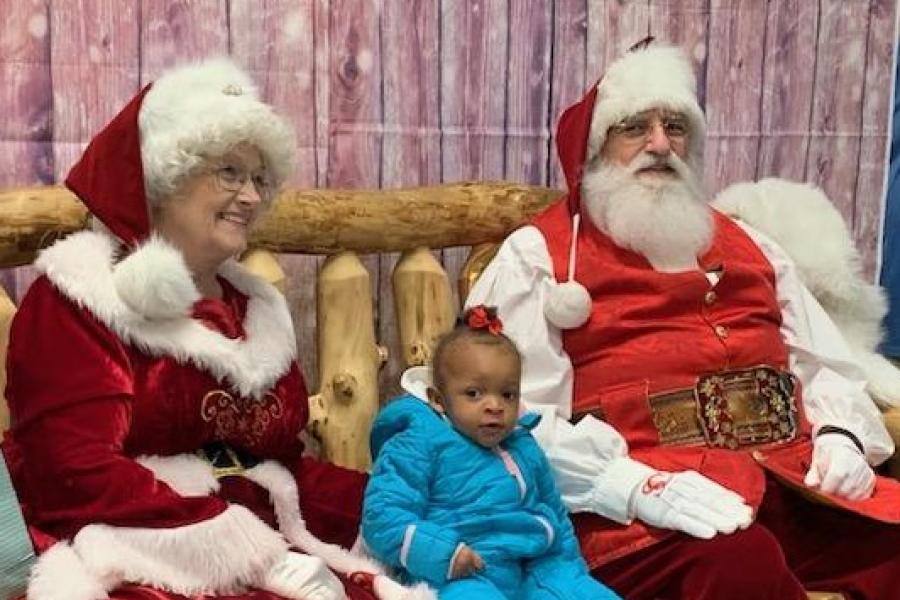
{"x": 146, "y": 299}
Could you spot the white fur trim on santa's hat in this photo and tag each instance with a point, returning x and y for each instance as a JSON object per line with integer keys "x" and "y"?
{"x": 222, "y": 110}
{"x": 653, "y": 77}
{"x": 567, "y": 305}
{"x": 168, "y": 294}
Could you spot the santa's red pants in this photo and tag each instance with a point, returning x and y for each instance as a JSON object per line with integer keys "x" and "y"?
{"x": 793, "y": 545}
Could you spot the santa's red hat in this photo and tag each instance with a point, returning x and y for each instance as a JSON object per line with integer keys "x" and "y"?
{"x": 655, "y": 76}
{"x": 652, "y": 76}
{"x": 164, "y": 133}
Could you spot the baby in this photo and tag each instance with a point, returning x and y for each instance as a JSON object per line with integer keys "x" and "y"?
{"x": 461, "y": 496}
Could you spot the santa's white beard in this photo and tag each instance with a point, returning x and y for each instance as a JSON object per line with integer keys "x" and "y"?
{"x": 667, "y": 219}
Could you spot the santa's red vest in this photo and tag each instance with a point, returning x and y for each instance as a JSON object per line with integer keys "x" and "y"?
{"x": 651, "y": 333}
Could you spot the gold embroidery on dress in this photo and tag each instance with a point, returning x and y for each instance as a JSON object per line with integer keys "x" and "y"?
{"x": 240, "y": 418}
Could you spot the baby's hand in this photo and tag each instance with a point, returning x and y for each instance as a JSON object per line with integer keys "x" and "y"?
{"x": 466, "y": 562}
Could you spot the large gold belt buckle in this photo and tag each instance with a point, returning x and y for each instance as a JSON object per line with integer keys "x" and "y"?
{"x": 746, "y": 407}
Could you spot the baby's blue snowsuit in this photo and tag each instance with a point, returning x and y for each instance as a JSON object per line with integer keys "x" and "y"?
{"x": 433, "y": 489}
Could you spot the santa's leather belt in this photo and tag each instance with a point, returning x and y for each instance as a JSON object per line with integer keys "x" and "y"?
{"x": 729, "y": 409}
{"x": 227, "y": 460}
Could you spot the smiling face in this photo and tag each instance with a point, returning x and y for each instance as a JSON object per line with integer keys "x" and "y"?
{"x": 479, "y": 393}
{"x": 210, "y": 216}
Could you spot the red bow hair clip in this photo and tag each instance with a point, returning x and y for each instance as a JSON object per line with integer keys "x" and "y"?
{"x": 482, "y": 317}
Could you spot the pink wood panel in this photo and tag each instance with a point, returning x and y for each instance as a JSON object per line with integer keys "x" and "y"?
{"x": 354, "y": 83}
{"x": 733, "y": 91}
{"x": 833, "y": 158}
{"x": 321, "y": 19}
{"x": 474, "y": 69}
{"x": 355, "y": 112}
{"x": 684, "y": 24}
{"x": 613, "y": 27}
{"x": 25, "y": 93}
{"x": 410, "y": 41}
{"x": 568, "y": 80}
{"x": 94, "y": 66}
{"x": 788, "y": 79}
{"x": 876, "y": 111}
{"x": 94, "y": 60}
{"x": 274, "y": 40}
{"x": 180, "y": 31}
{"x": 528, "y": 91}
{"x": 26, "y": 137}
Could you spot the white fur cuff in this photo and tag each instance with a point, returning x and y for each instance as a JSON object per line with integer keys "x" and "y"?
{"x": 222, "y": 555}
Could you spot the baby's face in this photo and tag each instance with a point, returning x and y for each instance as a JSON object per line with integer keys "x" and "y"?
{"x": 481, "y": 391}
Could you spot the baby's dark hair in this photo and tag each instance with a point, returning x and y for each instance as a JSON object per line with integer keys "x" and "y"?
{"x": 479, "y": 324}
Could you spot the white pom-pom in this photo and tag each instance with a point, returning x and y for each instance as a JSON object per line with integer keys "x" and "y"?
{"x": 568, "y": 305}
{"x": 155, "y": 282}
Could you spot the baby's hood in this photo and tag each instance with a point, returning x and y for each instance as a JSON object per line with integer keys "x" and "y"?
{"x": 401, "y": 415}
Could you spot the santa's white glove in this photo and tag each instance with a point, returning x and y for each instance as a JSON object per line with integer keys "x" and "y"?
{"x": 838, "y": 467}
{"x": 689, "y": 502}
{"x": 303, "y": 577}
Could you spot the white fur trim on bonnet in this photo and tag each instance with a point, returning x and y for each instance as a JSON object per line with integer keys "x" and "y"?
{"x": 653, "y": 77}
{"x": 205, "y": 110}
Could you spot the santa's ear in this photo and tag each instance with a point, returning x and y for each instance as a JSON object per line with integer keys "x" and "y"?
{"x": 435, "y": 399}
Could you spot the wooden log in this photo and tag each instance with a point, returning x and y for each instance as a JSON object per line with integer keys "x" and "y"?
{"x": 341, "y": 415}
{"x": 313, "y": 221}
{"x": 266, "y": 265}
{"x": 892, "y": 424}
{"x": 424, "y": 304}
{"x": 7, "y": 312}
{"x": 477, "y": 261}
{"x": 33, "y": 218}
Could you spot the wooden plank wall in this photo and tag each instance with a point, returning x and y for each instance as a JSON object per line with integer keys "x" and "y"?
{"x": 386, "y": 93}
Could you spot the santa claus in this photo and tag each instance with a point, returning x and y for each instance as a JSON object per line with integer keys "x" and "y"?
{"x": 708, "y": 425}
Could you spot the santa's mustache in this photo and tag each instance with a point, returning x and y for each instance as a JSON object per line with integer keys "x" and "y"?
{"x": 655, "y": 162}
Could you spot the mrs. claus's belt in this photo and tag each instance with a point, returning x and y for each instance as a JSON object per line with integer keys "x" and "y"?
{"x": 226, "y": 460}
{"x": 729, "y": 409}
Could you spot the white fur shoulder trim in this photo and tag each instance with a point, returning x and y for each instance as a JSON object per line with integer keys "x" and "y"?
{"x": 83, "y": 268}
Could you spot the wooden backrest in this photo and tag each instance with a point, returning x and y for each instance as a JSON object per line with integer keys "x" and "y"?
{"x": 341, "y": 225}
